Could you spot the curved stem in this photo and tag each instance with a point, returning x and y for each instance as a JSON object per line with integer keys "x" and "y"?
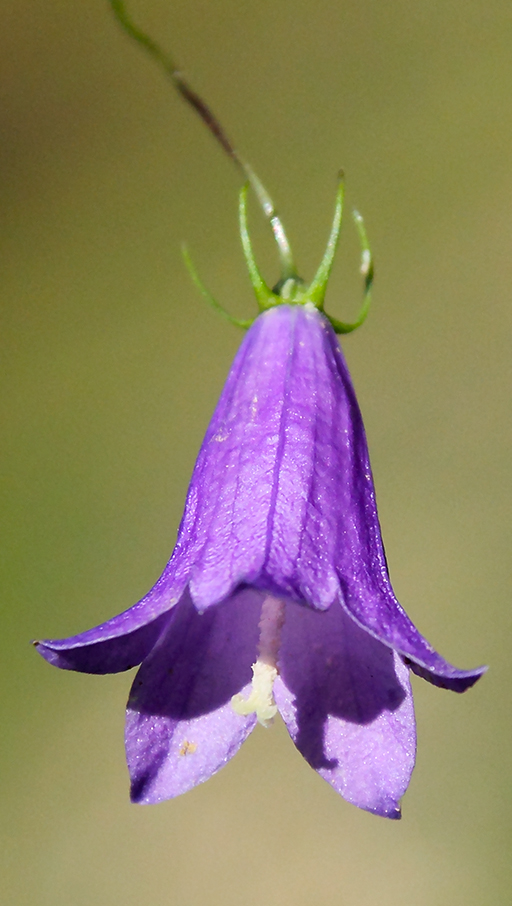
{"x": 167, "y": 62}
{"x": 288, "y": 269}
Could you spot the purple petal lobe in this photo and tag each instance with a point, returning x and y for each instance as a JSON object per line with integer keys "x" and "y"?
{"x": 180, "y": 726}
{"x": 112, "y": 655}
{"x": 126, "y": 639}
{"x": 383, "y": 617}
{"x": 446, "y": 676}
{"x": 347, "y": 703}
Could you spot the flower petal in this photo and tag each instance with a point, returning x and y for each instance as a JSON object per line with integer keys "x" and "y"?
{"x": 126, "y": 639}
{"x": 379, "y": 613}
{"x": 310, "y": 488}
{"x": 180, "y": 726}
{"x": 232, "y": 487}
{"x": 267, "y": 496}
{"x": 325, "y": 459}
{"x": 89, "y": 653}
{"x": 347, "y": 703}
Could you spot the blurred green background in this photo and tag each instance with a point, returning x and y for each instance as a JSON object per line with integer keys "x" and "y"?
{"x": 111, "y": 366}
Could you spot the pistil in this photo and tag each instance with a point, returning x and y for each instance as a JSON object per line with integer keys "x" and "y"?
{"x": 265, "y": 670}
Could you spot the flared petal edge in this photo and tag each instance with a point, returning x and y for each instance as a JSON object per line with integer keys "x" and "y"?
{"x": 112, "y": 655}
{"x": 126, "y": 639}
{"x": 389, "y": 624}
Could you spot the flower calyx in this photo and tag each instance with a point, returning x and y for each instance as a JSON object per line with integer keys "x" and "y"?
{"x": 291, "y": 289}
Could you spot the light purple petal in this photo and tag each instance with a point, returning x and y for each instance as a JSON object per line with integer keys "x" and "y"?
{"x": 347, "y": 703}
{"x": 180, "y": 726}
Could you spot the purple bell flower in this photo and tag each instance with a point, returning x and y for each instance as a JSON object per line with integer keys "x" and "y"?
{"x": 277, "y": 595}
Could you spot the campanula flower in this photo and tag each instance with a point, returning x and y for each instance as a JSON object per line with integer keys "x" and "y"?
{"x": 277, "y": 596}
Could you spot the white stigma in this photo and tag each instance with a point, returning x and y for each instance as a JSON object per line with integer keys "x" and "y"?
{"x": 264, "y": 671}
{"x": 261, "y": 700}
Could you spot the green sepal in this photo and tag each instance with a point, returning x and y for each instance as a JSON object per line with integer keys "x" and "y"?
{"x": 208, "y": 296}
{"x": 317, "y": 288}
{"x": 264, "y": 295}
{"x": 367, "y": 273}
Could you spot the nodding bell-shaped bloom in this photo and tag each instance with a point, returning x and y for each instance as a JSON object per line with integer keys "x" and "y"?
{"x": 277, "y": 595}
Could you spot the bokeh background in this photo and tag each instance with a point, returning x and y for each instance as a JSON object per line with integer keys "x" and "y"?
{"x": 111, "y": 366}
